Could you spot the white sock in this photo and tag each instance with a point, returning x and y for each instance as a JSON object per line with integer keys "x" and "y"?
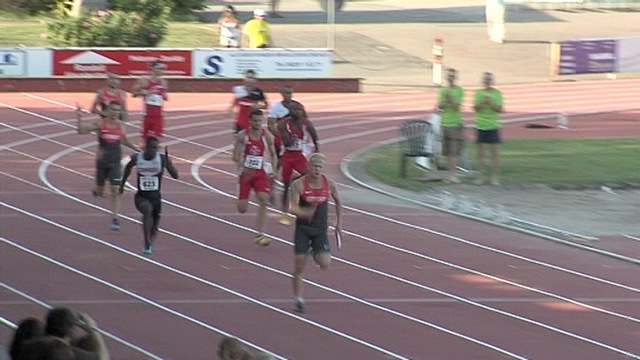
{"x": 299, "y": 299}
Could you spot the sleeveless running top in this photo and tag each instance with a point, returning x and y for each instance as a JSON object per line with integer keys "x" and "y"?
{"x": 318, "y": 198}
{"x": 109, "y": 140}
{"x": 154, "y": 100}
{"x": 149, "y": 174}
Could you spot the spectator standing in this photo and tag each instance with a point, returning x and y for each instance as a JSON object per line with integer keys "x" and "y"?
{"x": 310, "y": 195}
{"x": 229, "y": 28}
{"x": 257, "y": 31}
{"x": 109, "y": 93}
{"x": 487, "y": 103}
{"x": 449, "y": 102}
{"x": 148, "y": 198}
{"x": 495, "y": 12}
{"x": 274, "y": 9}
{"x": 250, "y": 150}
{"x": 246, "y": 98}
{"x": 153, "y": 89}
{"x": 111, "y": 137}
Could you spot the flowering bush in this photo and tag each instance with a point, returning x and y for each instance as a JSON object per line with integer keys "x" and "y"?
{"x": 142, "y": 25}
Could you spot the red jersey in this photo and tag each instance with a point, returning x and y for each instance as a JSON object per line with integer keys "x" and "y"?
{"x": 107, "y": 97}
{"x": 315, "y": 197}
{"x": 244, "y": 109}
{"x": 296, "y": 134}
{"x": 109, "y": 139}
{"x": 154, "y": 100}
{"x": 318, "y": 198}
{"x": 254, "y": 151}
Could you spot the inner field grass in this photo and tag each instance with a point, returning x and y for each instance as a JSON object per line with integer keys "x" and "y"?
{"x": 557, "y": 163}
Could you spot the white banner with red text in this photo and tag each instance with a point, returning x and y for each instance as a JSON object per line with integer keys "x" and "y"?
{"x": 197, "y": 63}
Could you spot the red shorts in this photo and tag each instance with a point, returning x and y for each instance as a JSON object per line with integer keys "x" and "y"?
{"x": 152, "y": 126}
{"x": 290, "y": 161}
{"x": 258, "y": 180}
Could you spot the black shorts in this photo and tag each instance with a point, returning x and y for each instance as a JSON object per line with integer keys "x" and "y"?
{"x": 488, "y": 136}
{"x": 309, "y": 240}
{"x": 112, "y": 171}
{"x": 156, "y": 204}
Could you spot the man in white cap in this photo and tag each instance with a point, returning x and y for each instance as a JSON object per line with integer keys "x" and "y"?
{"x": 257, "y": 32}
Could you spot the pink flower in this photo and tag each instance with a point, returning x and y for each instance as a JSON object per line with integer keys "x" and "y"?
{"x": 152, "y": 36}
{"x": 86, "y": 25}
{"x": 44, "y": 35}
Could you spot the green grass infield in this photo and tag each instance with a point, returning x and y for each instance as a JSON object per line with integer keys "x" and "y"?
{"x": 561, "y": 164}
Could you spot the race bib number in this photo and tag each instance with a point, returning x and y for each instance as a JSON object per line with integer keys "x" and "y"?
{"x": 149, "y": 183}
{"x": 296, "y": 144}
{"x": 253, "y": 162}
{"x": 154, "y": 100}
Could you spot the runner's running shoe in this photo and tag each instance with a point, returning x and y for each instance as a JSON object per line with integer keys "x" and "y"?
{"x": 115, "y": 225}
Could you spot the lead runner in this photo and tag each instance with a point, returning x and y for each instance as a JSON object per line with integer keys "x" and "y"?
{"x": 309, "y": 202}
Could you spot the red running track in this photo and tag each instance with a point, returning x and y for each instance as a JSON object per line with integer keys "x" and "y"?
{"x": 410, "y": 283}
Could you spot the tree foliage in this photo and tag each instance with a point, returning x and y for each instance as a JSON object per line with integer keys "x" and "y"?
{"x": 138, "y": 24}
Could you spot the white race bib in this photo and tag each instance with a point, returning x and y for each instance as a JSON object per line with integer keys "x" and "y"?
{"x": 154, "y": 100}
{"x": 149, "y": 183}
{"x": 296, "y": 144}
{"x": 253, "y": 162}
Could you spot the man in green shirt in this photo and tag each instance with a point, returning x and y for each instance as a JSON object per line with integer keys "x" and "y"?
{"x": 487, "y": 104}
{"x": 449, "y": 103}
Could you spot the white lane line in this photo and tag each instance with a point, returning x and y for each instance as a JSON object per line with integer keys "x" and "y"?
{"x": 102, "y": 331}
{"x": 52, "y": 160}
{"x": 179, "y": 272}
{"x": 636, "y": 238}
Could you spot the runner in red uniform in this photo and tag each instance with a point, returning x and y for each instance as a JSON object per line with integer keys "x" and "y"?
{"x": 111, "y": 136}
{"x": 277, "y": 113}
{"x": 250, "y": 150}
{"x": 109, "y": 93}
{"x": 310, "y": 195}
{"x": 294, "y": 131}
{"x": 154, "y": 90}
{"x": 246, "y": 98}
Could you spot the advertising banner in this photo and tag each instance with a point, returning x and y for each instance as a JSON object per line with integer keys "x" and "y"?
{"x": 276, "y": 63}
{"x": 629, "y": 54}
{"x": 18, "y": 62}
{"x": 127, "y": 62}
{"x": 588, "y": 56}
{"x": 13, "y": 62}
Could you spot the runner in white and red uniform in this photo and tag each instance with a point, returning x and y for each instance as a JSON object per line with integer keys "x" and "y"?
{"x": 109, "y": 93}
{"x": 294, "y": 131}
{"x": 154, "y": 90}
{"x": 246, "y": 98}
{"x": 310, "y": 195}
{"x": 250, "y": 153}
{"x": 111, "y": 137}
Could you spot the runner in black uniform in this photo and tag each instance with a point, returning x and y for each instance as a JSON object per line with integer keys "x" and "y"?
{"x": 310, "y": 195}
{"x": 148, "y": 199}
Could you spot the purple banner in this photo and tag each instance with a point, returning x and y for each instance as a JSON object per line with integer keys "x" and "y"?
{"x": 588, "y": 56}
